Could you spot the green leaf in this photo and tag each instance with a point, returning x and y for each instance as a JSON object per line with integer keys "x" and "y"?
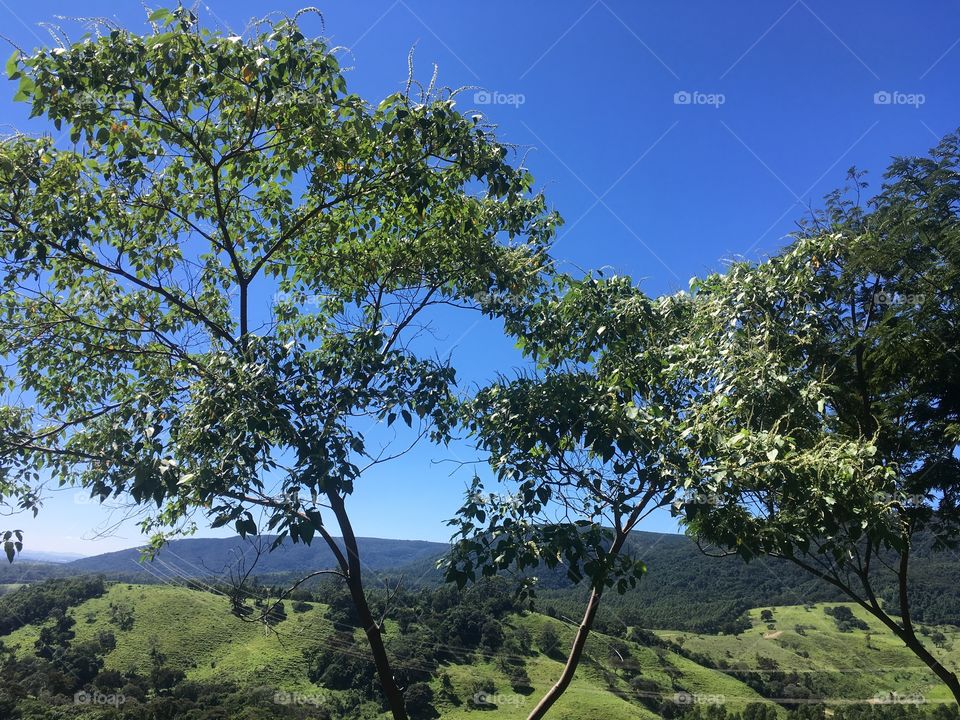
{"x": 13, "y": 65}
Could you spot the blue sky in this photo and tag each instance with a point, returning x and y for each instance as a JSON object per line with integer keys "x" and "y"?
{"x": 670, "y": 136}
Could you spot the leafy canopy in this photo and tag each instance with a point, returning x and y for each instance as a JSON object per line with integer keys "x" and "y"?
{"x": 827, "y": 406}
{"x": 205, "y": 174}
{"x": 584, "y": 443}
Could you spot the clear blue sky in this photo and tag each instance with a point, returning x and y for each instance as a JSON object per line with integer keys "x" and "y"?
{"x": 671, "y": 136}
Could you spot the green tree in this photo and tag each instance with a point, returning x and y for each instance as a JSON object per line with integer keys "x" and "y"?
{"x": 583, "y": 443}
{"x": 824, "y": 406}
{"x": 204, "y": 174}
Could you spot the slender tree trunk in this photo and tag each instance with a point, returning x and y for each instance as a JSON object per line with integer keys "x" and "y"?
{"x": 905, "y": 631}
{"x": 589, "y": 615}
{"x": 909, "y": 635}
{"x": 919, "y": 649}
{"x": 573, "y": 659}
{"x": 374, "y": 637}
{"x": 949, "y": 679}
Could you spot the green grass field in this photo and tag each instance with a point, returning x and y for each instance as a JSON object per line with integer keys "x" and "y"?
{"x": 199, "y": 635}
{"x": 855, "y": 665}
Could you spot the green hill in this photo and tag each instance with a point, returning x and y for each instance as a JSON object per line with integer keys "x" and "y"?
{"x": 197, "y": 634}
{"x": 799, "y": 656}
{"x": 802, "y": 654}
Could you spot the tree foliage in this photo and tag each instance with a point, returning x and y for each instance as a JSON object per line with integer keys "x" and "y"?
{"x": 584, "y": 444}
{"x": 206, "y": 173}
{"x": 823, "y": 421}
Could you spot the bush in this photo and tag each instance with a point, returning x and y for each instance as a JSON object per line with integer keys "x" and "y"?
{"x": 491, "y": 636}
{"x": 548, "y": 641}
{"x": 121, "y": 615}
{"x": 519, "y": 679}
{"x": 419, "y": 700}
{"x": 520, "y": 642}
{"x": 845, "y": 619}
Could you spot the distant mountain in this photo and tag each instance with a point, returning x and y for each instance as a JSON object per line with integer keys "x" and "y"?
{"x": 49, "y": 557}
{"x": 216, "y": 557}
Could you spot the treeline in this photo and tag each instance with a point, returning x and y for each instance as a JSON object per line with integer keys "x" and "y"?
{"x": 35, "y": 603}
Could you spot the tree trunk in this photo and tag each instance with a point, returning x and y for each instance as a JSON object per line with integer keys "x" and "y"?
{"x": 905, "y": 631}
{"x": 909, "y": 635}
{"x": 919, "y": 649}
{"x": 374, "y": 637}
{"x": 949, "y": 679}
{"x": 573, "y": 659}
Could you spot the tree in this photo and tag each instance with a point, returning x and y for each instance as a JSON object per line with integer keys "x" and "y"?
{"x": 824, "y": 412}
{"x": 491, "y": 635}
{"x": 585, "y": 440}
{"x": 420, "y": 701}
{"x": 204, "y": 174}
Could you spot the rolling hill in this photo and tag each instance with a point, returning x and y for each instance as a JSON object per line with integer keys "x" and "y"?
{"x": 800, "y": 651}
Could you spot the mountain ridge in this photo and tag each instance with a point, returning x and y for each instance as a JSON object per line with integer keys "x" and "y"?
{"x": 683, "y": 589}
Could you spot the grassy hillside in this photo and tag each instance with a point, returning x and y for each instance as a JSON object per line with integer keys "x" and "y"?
{"x": 196, "y": 633}
{"x": 798, "y": 656}
{"x": 805, "y": 642}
